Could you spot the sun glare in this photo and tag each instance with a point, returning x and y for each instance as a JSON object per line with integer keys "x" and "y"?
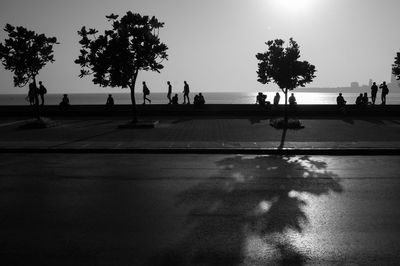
{"x": 293, "y": 6}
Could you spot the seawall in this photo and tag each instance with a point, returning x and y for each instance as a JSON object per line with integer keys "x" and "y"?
{"x": 207, "y": 110}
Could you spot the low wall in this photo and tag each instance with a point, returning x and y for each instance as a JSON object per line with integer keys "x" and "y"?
{"x": 207, "y": 110}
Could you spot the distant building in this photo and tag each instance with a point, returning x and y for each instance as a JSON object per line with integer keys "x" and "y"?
{"x": 354, "y": 85}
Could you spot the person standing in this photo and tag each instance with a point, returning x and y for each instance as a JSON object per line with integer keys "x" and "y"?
{"x": 385, "y": 91}
{"x": 169, "y": 92}
{"x": 186, "y": 93}
{"x": 146, "y": 92}
{"x": 42, "y": 91}
{"x": 277, "y": 98}
{"x": 374, "y": 91}
{"x": 31, "y": 93}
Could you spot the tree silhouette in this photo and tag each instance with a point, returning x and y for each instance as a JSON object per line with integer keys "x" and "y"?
{"x": 281, "y": 66}
{"x": 25, "y": 53}
{"x": 115, "y": 58}
{"x": 396, "y": 66}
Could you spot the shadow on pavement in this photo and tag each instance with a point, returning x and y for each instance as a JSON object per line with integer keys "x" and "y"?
{"x": 283, "y": 138}
{"x": 243, "y": 214}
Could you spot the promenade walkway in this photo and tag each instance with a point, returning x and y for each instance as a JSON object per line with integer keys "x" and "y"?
{"x": 203, "y": 134}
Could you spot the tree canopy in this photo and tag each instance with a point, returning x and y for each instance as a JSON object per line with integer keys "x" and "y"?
{"x": 116, "y": 57}
{"x": 396, "y": 66}
{"x": 280, "y": 65}
{"x": 25, "y": 53}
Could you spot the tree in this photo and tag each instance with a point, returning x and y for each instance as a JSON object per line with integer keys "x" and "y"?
{"x": 396, "y": 66}
{"x": 116, "y": 57}
{"x": 281, "y": 66}
{"x": 25, "y": 53}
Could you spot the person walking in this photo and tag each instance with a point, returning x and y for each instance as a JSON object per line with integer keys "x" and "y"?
{"x": 385, "y": 91}
{"x": 186, "y": 93}
{"x": 374, "y": 91}
{"x": 169, "y": 92}
{"x": 146, "y": 92}
{"x": 42, "y": 91}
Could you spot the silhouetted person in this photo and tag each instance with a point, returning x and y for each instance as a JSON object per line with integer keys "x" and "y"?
{"x": 31, "y": 93}
{"x": 359, "y": 100}
{"x": 199, "y": 100}
{"x": 186, "y": 93}
{"x": 374, "y": 91}
{"x": 365, "y": 99}
{"x": 169, "y": 92}
{"x": 175, "y": 99}
{"x": 196, "y": 101}
{"x": 340, "y": 100}
{"x": 292, "y": 100}
{"x": 42, "y": 91}
{"x": 64, "y": 104}
{"x": 277, "y": 98}
{"x": 385, "y": 91}
{"x": 260, "y": 99}
{"x": 110, "y": 101}
{"x": 146, "y": 92}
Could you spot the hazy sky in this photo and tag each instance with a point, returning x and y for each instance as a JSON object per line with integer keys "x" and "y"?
{"x": 212, "y": 43}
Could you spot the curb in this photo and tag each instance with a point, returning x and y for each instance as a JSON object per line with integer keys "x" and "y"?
{"x": 266, "y": 151}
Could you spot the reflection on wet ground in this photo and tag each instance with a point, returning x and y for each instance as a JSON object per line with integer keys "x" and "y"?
{"x": 256, "y": 216}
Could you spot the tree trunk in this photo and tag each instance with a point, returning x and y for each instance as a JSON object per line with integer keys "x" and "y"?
{"x": 286, "y": 107}
{"x": 133, "y": 100}
{"x": 36, "y": 95}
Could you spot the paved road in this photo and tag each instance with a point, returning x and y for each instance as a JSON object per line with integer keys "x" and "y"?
{"x": 99, "y": 209}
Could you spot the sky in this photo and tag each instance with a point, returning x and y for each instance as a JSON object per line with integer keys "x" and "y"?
{"x": 212, "y": 43}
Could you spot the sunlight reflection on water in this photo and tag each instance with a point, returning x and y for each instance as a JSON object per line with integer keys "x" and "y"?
{"x": 211, "y": 98}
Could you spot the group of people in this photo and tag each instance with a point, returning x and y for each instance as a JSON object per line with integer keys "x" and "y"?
{"x": 198, "y": 99}
{"x": 35, "y": 92}
{"x": 261, "y": 99}
{"x": 362, "y": 99}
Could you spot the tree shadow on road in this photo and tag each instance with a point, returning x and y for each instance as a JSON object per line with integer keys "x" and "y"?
{"x": 283, "y": 138}
{"x": 243, "y": 215}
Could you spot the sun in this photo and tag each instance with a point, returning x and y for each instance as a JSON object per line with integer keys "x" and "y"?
{"x": 291, "y": 7}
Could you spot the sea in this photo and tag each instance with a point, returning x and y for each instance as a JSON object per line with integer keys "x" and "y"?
{"x": 211, "y": 98}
